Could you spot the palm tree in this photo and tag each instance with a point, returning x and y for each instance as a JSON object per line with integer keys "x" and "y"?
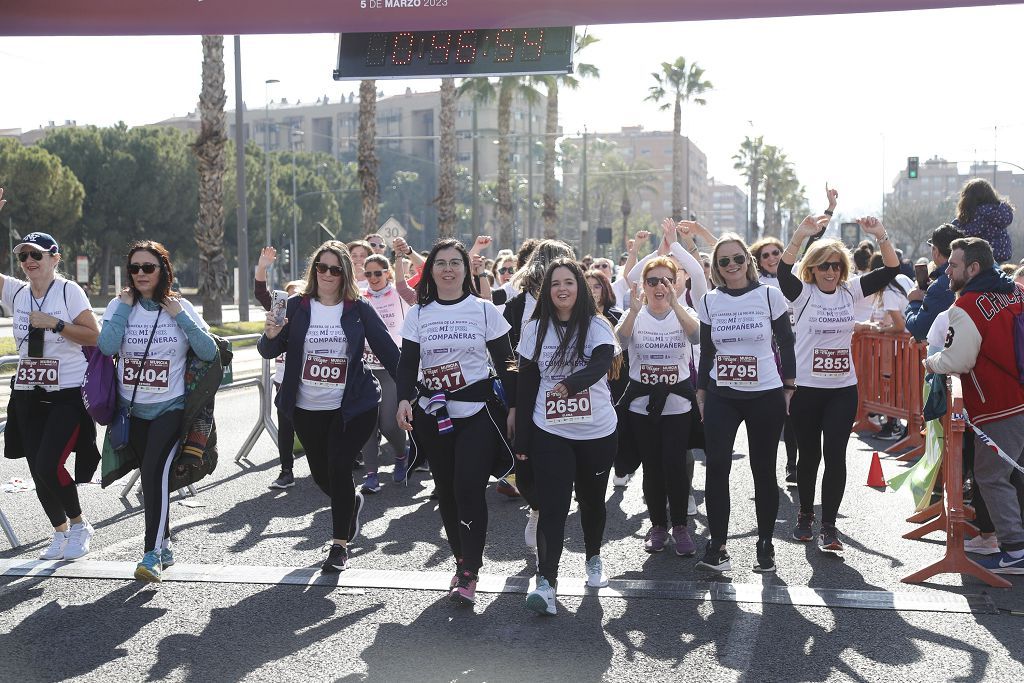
{"x": 508, "y": 88}
{"x": 367, "y": 155}
{"x": 749, "y": 162}
{"x": 209, "y": 151}
{"x": 446, "y": 182}
{"x": 480, "y": 91}
{"x": 773, "y": 163}
{"x": 552, "y": 85}
{"x": 678, "y": 83}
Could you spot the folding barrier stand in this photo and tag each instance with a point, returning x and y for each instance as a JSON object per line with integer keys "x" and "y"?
{"x": 890, "y": 381}
{"x": 265, "y": 419}
{"x": 12, "y": 537}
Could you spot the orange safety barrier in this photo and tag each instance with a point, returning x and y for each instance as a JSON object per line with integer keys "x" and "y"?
{"x": 954, "y": 513}
{"x": 890, "y": 381}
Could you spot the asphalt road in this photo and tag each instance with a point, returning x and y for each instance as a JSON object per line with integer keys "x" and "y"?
{"x": 111, "y": 630}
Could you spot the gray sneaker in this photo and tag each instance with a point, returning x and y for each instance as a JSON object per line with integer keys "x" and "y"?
{"x": 656, "y": 539}
{"x": 284, "y": 481}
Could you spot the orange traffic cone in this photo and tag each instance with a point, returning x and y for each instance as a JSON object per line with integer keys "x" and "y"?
{"x": 875, "y": 477}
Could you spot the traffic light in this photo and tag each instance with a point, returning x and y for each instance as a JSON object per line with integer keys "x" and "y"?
{"x": 285, "y": 258}
{"x": 912, "y": 168}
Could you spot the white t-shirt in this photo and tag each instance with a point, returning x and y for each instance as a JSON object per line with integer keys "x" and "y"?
{"x": 62, "y": 365}
{"x": 892, "y": 299}
{"x": 453, "y": 345}
{"x": 324, "y": 364}
{"x": 862, "y": 309}
{"x": 586, "y": 415}
{"x": 391, "y": 309}
{"x": 770, "y": 281}
{"x": 824, "y": 329}
{"x": 528, "y": 307}
{"x": 162, "y": 376}
{"x": 659, "y": 353}
{"x": 937, "y": 332}
{"x": 622, "y": 294}
{"x": 741, "y": 328}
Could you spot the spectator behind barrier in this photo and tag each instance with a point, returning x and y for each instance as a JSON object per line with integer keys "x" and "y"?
{"x": 983, "y": 213}
{"x": 924, "y": 306}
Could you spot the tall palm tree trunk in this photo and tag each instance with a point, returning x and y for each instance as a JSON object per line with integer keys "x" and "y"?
{"x": 755, "y": 187}
{"x": 209, "y": 151}
{"x": 367, "y": 155}
{"x": 677, "y": 161}
{"x": 550, "y": 212}
{"x": 506, "y": 236}
{"x": 446, "y": 182}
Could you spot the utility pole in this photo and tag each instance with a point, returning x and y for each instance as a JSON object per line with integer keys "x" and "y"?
{"x": 243, "y": 229}
{"x": 266, "y": 155}
{"x": 529, "y": 170}
{"x": 584, "y": 213}
{"x": 295, "y": 136}
{"x": 476, "y": 175}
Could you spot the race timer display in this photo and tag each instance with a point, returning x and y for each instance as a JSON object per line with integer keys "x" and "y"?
{"x": 468, "y": 52}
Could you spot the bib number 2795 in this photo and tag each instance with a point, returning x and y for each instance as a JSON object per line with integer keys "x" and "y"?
{"x": 736, "y": 371}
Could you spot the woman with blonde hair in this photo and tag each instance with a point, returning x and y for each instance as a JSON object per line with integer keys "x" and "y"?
{"x": 824, "y": 298}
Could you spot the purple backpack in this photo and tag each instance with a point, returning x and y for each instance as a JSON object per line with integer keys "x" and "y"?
{"x": 99, "y": 389}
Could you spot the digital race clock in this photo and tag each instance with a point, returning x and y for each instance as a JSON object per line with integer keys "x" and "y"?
{"x": 468, "y": 52}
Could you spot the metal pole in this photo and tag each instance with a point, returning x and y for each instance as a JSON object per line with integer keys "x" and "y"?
{"x": 476, "y": 175}
{"x": 529, "y": 170}
{"x": 243, "y": 228}
{"x": 266, "y": 154}
{"x": 295, "y": 209}
{"x": 585, "y": 214}
{"x": 10, "y": 242}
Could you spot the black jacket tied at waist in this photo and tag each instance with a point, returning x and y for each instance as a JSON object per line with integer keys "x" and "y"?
{"x": 657, "y": 395}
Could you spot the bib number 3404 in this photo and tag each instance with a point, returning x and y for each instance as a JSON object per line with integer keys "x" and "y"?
{"x": 736, "y": 371}
{"x": 151, "y": 376}
{"x": 37, "y": 372}
{"x": 324, "y": 371}
{"x": 575, "y": 408}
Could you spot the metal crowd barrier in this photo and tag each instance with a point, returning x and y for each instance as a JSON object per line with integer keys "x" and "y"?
{"x": 12, "y": 537}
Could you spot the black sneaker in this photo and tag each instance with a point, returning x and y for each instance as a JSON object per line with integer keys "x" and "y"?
{"x": 765, "y": 557}
{"x": 715, "y": 559}
{"x": 355, "y": 525}
{"x": 829, "y": 539}
{"x": 337, "y": 560}
{"x": 790, "y": 476}
{"x": 284, "y": 481}
{"x": 893, "y": 431}
{"x": 885, "y": 433}
{"x": 804, "y": 529}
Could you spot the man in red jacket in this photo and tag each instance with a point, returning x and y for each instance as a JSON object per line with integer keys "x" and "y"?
{"x": 980, "y": 347}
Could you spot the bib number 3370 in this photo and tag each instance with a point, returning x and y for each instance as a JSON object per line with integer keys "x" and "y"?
{"x": 151, "y": 375}
{"x": 324, "y": 371}
{"x": 736, "y": 371}
{"x": 37, "y": 372}
{"x": 575, "y": 408}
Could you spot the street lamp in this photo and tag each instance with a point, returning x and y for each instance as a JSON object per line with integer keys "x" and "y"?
{"x": 296, "y": 142}
{"x": 266, "y": 153}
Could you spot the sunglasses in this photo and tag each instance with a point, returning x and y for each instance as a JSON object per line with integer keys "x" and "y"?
{"x": 829, "y": 265}
{"x": 373, "y": 273}
{"x": 738, "y": 259}
{"x": 377, "y": 245}
{"x": 506, "y": 271}
{"x": 775, "y": 252}
{"x": 36, "y": 255}
{"x": 322, "y": 268}
{"x": 147, "y": 268}
{"x": 655, "y": 281}
{"x": 604, "y": 266}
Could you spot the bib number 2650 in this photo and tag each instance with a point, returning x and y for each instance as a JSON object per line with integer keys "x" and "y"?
{"x": 575, "y": 408}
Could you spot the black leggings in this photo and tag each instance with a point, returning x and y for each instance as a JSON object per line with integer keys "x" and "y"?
{"x": 48, "y": 433}
{"x": 559, "y": 463}
{"x": 285, "y": 438}
{"x": 789, "y": 435}
{"x": 822, "y": 418}
{"x": 331, "y": 445}
{"x": 722, "y": 417}
{"x": 155, "y": 442}
{"x": 662, "y": 444}
{"x": 461, "y": 463}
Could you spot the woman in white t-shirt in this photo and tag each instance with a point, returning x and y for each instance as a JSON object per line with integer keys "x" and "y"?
{"x": 825, "y": 299}
{"x": 152, "y": 331}
{"x": 451, "y": 407}
{"x": 739, "y": 382}
{"x": 659, "y": 330}
{"x": 330, "y": 395}
{"x": 566, "y": 423}
{"x": 888, "y": 304}
{"x": 47, "y": 420}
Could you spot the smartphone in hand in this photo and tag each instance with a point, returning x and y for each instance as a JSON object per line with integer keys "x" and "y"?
{"x": 278, "y": 303}
{"x": 921, "y": 274}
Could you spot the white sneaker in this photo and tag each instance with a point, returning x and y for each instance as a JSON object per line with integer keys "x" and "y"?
{"x": 981, "y": 545}
{"x": 621, "y": 482}
{"x": 78, "y": 540}
{"x": 596, "y": 578}
{"x": 57, "y": 545}
{"x": 542, "y": 598}
{"x": 691, "y": 506}
{"x": 530, "y": 534}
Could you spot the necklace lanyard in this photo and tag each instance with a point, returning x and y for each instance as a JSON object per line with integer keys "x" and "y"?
{"x": 32, "y": 300}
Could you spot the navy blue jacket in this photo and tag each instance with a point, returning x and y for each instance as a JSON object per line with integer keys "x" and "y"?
{"x": 360, "y": 323}
{"x": 938, "y": 298}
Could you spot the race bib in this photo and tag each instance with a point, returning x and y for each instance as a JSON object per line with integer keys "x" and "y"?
{"x": 736, "y": 371}
{"x": 447, "y": 377}
{"x": 323, "y": 371}
{"x": 369, "y": 358}
{"x": 37, "y": 372}
{"x": 830, "y": 363}
{"x": 151, "y": 376}
{"x": 575, "y": 408}
{"x": 659, "y": 374}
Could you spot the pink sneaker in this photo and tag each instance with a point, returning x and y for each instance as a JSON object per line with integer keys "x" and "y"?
{"x": 656, "y": 539}
{"x": 464, "y": 592}
{"x": 681, "y": 540}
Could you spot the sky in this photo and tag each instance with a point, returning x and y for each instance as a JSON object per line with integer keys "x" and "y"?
{"x": 848, "y": 97}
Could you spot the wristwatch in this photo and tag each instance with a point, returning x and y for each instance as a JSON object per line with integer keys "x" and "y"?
{"x": 59, "y": 327}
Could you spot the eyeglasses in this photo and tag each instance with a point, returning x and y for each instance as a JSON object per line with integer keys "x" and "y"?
{"x": 322, "y": 268}
{"x": 602, "y": 265}
{"x": 37, "y": 255}
{"x": 506, "y": 271}
{"x": 655, "y": 281}
{"x": 373, "y": 273}
{"x": 454, "y": 264}
{"x": 774, "y": 252}
{"x": 829, "y": 265}
{"x": 147, "y": 268}
{"x": 738, "y": 259}
{"x": 377, "y": 245}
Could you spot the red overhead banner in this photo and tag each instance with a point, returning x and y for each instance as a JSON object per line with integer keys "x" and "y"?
{"x": 195, "y": 17}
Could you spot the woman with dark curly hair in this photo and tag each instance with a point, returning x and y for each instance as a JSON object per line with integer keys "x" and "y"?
{"x": 981, "y": 212}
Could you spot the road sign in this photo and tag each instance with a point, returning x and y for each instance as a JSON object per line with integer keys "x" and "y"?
{"x": 391, "y": 229}
{"x": 850, "y": 233}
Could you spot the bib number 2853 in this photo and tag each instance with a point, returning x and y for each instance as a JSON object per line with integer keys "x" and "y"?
{"x": 830, "y": 363}
{"x": 575, "y": 408}
{"x": 736, "y": 371}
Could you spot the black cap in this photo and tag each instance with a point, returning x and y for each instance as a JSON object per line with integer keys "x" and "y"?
{"x": 39, "y": 241}
{"x": 943, "y": 236}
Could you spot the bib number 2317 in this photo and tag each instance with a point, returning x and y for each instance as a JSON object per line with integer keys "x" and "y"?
{"x": 575, "y": 408}
{"x": 151, "y": 375}
{"x": 324, "y": 371}
{"x": 736, "y": 371}
{"x": 447, "y": 377}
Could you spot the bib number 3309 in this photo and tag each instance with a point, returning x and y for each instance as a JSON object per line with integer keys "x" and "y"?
{"x": 575, "y": 408}
{"x": 736, "y": 371}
